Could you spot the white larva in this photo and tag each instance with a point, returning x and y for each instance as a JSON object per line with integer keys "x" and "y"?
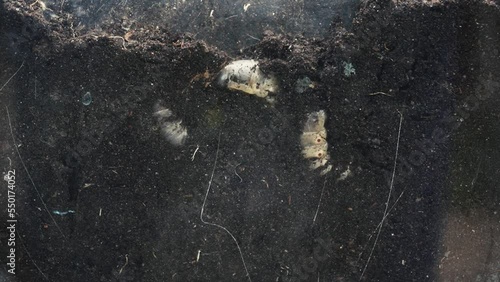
{"x": 162, "y": 113}
{"x": 313, "y": 141}
{"x": 313, "y": 138}
{"x": 171, "y": 128}
{"x": 246, "y": 76}
{"x": 175, "y": 132}
{"x": 315, "y": 151}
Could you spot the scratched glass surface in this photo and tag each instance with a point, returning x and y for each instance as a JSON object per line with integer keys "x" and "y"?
{"x": 249, "y": 140}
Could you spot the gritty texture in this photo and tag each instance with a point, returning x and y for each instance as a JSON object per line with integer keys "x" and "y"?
{"x": 137, "y": 199}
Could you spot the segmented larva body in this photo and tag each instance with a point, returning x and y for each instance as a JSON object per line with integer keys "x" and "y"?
{"x": 246, "y": 76}
{"x": 171, "y": 128}
{"x": 313, "y": 141}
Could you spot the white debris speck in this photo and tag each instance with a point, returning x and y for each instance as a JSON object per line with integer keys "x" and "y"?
{"x": 345, "y": 174}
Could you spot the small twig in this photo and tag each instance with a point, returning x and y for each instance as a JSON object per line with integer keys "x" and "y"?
{"x": 253, "y": 37}
{"x": 265, "y": 182}
{"x": 42, "y": 5}
{"x": 379, "y": 93}
{"x": 126, "y": 262}
{"x": 241, "y": 179}
{"x": 120, "y": 37}
{"x": 33, "y": 4}
{"x": 195, "y": 151}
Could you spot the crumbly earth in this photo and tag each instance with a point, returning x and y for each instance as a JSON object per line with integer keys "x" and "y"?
{"x": 423, "y": 84}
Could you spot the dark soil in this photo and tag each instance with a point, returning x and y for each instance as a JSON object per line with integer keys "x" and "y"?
{"x": 137, "y": 199}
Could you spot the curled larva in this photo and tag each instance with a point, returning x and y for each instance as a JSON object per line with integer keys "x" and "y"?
{"x": 246, "y": 76}
{"x": 171, "y": 128}
{"x": 313, "y": 141}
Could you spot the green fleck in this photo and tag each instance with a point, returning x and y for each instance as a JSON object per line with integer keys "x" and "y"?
{"x": 349, "y": 69}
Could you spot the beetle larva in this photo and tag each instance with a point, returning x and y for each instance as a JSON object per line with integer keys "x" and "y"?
{"x": 246, "y": 76}
{"x": 313, "y": 141}
{"x": 171, "y": 128}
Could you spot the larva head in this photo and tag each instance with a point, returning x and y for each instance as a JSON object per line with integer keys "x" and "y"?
{"x": 245, "y": 76}
{"x": 270, "y": 84}
{"x": 240, "y": 71}
{"x": 315, "y": 122}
